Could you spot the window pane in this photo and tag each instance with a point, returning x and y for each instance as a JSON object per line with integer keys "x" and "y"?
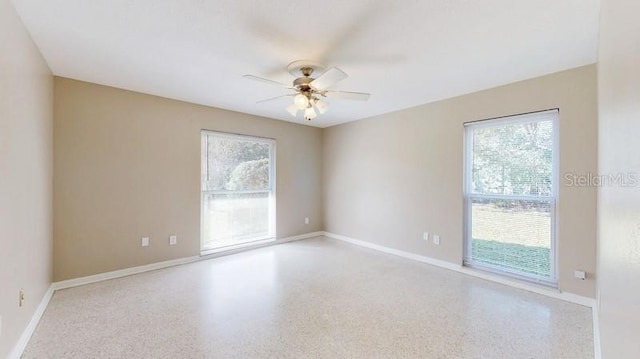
{"x": 230, "y": 219}
{"x": 512, "y": 235}
{"x": 238, "y": 198}
{"x": 513, "y": 159}
{"x": 235, "y": 164}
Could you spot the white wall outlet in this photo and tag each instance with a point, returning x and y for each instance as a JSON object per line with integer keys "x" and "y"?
{"x": 436, "y": 239}
{"x": 306, "y": 220}
{"x": 145, "y": 241}
{"x": 173, "y": 240}
{"x": 580, "y": 274}
{"x": 425, "y": 236}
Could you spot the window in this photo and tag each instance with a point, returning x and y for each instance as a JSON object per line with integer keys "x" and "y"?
{"x": 510, "y": 195}
{"x": 238, "y": 197}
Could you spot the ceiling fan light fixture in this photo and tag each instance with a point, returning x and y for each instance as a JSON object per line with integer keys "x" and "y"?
{"x": 301, "y": 101}
{"x": 292, "y": 109}
{"x": 322, "y": 106}
{"x": 310, "y": 113}
{"x": 308, "y": 90}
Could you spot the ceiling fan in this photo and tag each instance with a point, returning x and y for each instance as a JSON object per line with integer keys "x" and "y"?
{"x": 310, "y": 90}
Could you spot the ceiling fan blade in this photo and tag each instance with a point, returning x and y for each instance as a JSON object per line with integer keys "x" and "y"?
{"x": 358, "y": 96}
{"x": 262, "y": 79}
{"x": 275, "y": 98}
{"x": 328, "y": 78}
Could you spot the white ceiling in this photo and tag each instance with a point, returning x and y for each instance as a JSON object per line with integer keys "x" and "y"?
{"x": 404, "y": 53}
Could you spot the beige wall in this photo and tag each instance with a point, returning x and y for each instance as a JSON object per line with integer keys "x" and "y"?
{"x": 26, "y": 154}
{"x": 389, "y": 178}
{"x": 619, "y": 153}
{"x": 127, "y": 165}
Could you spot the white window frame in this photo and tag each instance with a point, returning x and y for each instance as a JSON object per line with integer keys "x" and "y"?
{"x": 204, "y": 134}
{"x": 553, "y": 115}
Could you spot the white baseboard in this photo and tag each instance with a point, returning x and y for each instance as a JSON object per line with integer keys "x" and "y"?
{"x": 31, "y": 327}
{"x": 255, "y": 245}
{"x": 170, "y": 263}
{"x": 597, "y": 348}
{"x": 121, "y": 273}
{"x": 300, "y": 237}
{"x": 569, "y": 297}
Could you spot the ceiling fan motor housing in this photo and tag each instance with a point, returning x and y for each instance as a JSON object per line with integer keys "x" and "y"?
{"x": 302, "y": 83}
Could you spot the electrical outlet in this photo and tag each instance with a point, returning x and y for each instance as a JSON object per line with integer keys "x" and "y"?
{"x": 306, "y": 220}
{"x": 580, "y": 275}
{"x": 173, "y": 240}
{"x": 425, "y": 236}
{"x": 21, "y": 297}
{"x": 436, "y": 239}
{"x": 145, "y": 241}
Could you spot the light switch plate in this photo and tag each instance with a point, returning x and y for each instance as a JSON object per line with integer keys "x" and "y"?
{"x": 425, "y": 236}
{"x": 145, "y": 241}
{"x": 436, "y": 240}
{"x": 173, "y": 240}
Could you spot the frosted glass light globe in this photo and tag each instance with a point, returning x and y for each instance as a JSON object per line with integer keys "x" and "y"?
{"x": 310, "y": 113}
{"x": 301, "y": 101}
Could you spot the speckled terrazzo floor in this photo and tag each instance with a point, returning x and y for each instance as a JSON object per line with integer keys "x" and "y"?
{"x": 316, "y": 298}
